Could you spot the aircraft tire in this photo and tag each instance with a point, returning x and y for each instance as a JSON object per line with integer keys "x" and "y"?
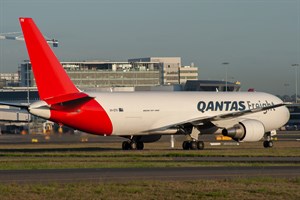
{"x": 268, "y": 144}
{"x": 126, "y": 145}
{"x": 265, "y": 144}
{"x": 200, "y": 145}
{"x": 139, "y": 145}
{"x": 133, "y": 145}
{"x": 186, "y": 145}
{"x": 193, "y": 145}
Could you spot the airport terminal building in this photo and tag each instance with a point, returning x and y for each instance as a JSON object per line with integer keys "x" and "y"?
{"x": 172, "y": 72}
{"x": 89, "y": 74}
{"x": 139, "y": 74}
{"x": 152, "y": 71}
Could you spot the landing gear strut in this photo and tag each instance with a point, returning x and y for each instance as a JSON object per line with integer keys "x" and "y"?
{"x": 132, "y": 145}
{"x": 193, "y": 145}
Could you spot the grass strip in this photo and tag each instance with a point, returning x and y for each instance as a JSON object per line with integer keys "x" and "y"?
{"x": 233, "y": 189}
{"x": 16, "y": 163}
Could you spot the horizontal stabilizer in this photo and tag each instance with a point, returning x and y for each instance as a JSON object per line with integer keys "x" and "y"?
{"x": 69, "y": 101}
{"x": 66, "y": 98}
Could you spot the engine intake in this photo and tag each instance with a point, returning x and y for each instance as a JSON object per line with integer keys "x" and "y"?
{"x": 247, "y": 130}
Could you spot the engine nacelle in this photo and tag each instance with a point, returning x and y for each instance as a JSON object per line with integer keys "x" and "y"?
{"x": 247, "y": 130}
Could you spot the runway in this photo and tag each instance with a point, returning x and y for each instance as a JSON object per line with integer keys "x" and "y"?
{"x": 263, "y": 159}
{"x": 77, "y": 138}
{"x": 132, "y": 174}
{"x": 16, "y": 144}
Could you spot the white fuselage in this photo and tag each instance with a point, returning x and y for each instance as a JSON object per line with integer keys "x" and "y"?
{"x": 136, "y": 112}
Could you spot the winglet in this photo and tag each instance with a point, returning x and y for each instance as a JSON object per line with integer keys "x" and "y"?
{"x": 50, "y": 77}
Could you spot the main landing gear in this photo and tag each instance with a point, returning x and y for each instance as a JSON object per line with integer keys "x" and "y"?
{"x": 137, "y": 142}
{"x": 132, "y": 145}
{"x": 193, "y": 145}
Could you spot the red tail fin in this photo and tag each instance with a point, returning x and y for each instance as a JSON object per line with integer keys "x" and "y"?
{"x": 51, "y": 79}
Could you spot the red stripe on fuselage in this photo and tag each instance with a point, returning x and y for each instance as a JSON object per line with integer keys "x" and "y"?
{"x": 88, "y": 117}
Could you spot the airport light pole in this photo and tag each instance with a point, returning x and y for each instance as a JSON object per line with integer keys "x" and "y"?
{"x": 286, "y": 85}
{"x": 226, "y": 69}
{"x": 296, "y": 80}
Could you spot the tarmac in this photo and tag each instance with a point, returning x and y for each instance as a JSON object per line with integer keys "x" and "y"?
{"x": 290, "y": 170}
{"x": 133, "y": 174}
{"x": 78, "y": 138}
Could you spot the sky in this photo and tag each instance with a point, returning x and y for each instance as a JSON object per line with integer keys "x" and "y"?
{"x": 260, "y": 39}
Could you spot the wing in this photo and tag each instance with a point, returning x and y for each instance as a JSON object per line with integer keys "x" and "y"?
{"x": 215, "y": 118}
{"x": 21, "y": 106}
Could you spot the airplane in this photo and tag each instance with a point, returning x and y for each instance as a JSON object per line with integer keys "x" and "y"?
{"x": 145, "y": 116}
{"x": 18, "y": 37}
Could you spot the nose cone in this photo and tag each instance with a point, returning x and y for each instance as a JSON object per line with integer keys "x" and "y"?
{"x": 284, "y": 115}
{"x": 40, "y": 109}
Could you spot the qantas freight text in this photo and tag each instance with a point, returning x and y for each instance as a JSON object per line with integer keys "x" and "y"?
{"x": 203, "y": 106}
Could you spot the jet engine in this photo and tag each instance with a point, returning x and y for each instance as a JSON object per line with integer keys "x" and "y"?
{"x": 247, "y": 130}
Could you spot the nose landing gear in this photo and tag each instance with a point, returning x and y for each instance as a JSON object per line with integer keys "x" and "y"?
{"x": 268, "y": 143}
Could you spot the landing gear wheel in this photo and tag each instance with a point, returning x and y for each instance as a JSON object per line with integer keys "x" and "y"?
{"x": 193, "y": 145}
{"x": 133, "y": 145}
{"x": 139, "y": 145}
{"x": 268, "y": 144}
{"x": 186, "y": 145}
{"x": 200, "y": 145}
{"x": 126, "y": 145}
{"x": 271, "y": 144}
